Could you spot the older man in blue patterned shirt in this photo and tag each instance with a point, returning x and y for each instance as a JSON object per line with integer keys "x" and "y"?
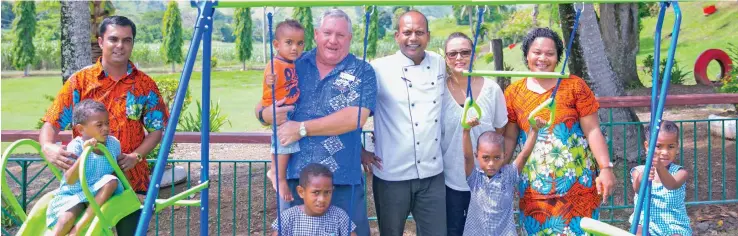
{"x": 335, "y": 88}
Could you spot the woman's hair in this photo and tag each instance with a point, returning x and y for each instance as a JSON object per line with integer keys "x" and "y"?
{"x": 542, "y": 33}
{"x": 84, "y": 109}
{"x": 452, "y": 36}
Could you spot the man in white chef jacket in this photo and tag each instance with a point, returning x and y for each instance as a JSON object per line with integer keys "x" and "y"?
{"x": 408, "y": 166}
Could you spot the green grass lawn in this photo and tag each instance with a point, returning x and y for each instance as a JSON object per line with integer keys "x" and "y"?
{"x": 697, "y": 34}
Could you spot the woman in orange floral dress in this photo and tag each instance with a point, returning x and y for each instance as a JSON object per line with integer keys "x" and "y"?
{"x": 569, "y": 172}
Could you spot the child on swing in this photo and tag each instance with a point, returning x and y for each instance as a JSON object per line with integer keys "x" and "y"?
{"x": 316, "y": 216}
{"x": 668, "y": 212}
{"x": 90, "y": 118}
{"x": 289, "y": 42}
{"x": 493, "y": 183}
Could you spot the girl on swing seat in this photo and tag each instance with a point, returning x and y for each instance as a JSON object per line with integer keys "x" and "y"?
{"x": 91, "y": 119}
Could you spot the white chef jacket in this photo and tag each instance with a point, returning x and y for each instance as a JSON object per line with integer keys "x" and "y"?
{"x": 407, "y": 119}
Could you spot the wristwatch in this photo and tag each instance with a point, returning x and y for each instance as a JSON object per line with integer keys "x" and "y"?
{"x": 138, "y": 156}
{"x": 303, "y": 131}
{"x": 609, "y": 166}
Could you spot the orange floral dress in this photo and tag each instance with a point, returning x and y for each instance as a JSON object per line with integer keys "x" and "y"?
{"x": 134, "y": 104}
{"x": 557, "y": 182}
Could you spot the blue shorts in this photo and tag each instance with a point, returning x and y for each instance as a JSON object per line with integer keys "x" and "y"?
{"x": 288, "y": 149}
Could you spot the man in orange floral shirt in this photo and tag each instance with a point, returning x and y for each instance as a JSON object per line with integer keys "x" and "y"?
{"x": 137, "y": 112}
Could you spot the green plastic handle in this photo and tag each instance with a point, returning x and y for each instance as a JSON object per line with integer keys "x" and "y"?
{"x": 86, "y": 190}
{"x": 468, "y": 104}
{"x": 178, "y": 199}
{"x": 550, "y": 105}
{"x": 7, "y": 193}
{"x": 516, "y": 74}
{"x": 598, "y": 228}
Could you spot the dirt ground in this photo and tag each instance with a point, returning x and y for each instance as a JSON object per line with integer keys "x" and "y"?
{"x": 237, "y": 203}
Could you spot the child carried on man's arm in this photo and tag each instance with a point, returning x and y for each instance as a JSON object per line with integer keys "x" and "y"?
{"x": 289, "y": 43}
{"x": 317, "y": 216}
{"x": 493, "y": 183}
{"x": 91, "y": 119}
{"x": 668, "y": 185}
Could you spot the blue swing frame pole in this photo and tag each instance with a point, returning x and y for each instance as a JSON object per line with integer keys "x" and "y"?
{"x": 205, "y": 125}
{"x": 656, "y": 114}
{"x": 205, "y": 13}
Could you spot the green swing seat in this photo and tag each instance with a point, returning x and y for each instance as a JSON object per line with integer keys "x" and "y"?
{"x": 109, "y": 214}
{"x": 112, "y": 211}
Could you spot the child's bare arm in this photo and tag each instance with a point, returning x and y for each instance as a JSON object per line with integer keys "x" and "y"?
{"x": 353, "y": 234}
{"x": 636, "y": 175}
{"x": 72, "y": 174}
{"x": 467, "y": 143}
{"x": 530, "y": 143}
{"x": 275, "y": 233}
{"x": 669, "y": 181}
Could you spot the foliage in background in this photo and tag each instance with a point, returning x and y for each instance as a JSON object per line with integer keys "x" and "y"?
{"x": 678, "y": 74}
{"x": 243, "y": 32}
{"x": 191, "y": 123}
{"x": 305, "y": 16}
{"x": 172, "y": 32}
{"x": 24, "y": 28}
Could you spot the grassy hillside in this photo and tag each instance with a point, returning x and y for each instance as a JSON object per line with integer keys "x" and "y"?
{"x": 697, "y": 34}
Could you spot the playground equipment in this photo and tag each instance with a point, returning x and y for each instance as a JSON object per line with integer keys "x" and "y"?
{"x": 704, "y": 59}
{"x": 107, "y": 215}
{"x": 203, "y": 33}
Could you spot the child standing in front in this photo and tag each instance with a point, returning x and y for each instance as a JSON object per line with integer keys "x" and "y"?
{"x": 289, "y": 42}
{"x": 669, "y": 216}
{"x": 492, "y": 184}
{"x": 91, "y": 119}
{"x": 317, "y": 216}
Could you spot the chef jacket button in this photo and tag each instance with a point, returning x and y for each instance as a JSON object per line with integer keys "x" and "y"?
{"x": 405, "y": 69}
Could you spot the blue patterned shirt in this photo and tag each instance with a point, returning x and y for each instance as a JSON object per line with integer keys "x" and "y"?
{"x": 491, "y": 202}
{"x": 351, "y": 83}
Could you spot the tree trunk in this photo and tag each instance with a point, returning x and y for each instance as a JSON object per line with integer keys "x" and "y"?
{"x": 534, "y": 15}
{"x": 25, "y": 70}
{"x": 243, "y": 66}
{"x": 173, "y": 67}
{"x": 75, "y": 37}
{"x": 588, "y": 59}
{"x": 619, "y": 27}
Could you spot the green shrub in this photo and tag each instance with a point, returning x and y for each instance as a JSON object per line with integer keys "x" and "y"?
{"x": 191, "y": 121}
{"x": 678, "y": 74}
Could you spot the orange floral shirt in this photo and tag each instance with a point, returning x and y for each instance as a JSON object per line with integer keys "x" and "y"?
{"x": 134, "y": 104}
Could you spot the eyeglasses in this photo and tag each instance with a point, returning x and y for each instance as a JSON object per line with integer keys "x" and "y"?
{"x": 464, "y": 54}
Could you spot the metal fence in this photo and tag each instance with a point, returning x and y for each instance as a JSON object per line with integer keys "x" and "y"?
{"x": 244, "y": 201}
